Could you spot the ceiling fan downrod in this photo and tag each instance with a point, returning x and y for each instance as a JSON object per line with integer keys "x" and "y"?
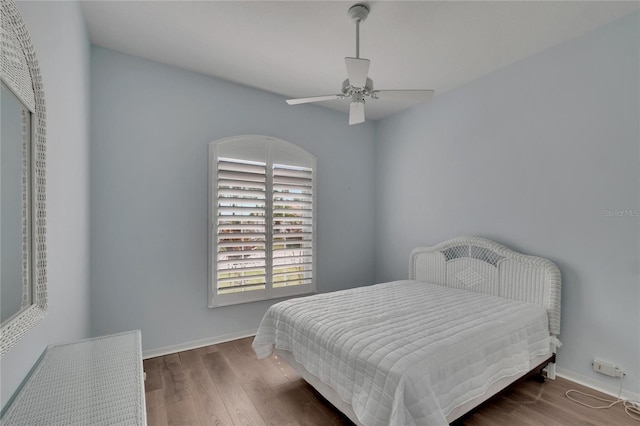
{"x": 358, "y": 13}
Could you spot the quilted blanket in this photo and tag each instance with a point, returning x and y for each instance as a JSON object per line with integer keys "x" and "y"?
{"x": 406, "y": 352}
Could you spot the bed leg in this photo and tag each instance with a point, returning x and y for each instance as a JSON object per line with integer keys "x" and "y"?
{"x": 551, "y": 370}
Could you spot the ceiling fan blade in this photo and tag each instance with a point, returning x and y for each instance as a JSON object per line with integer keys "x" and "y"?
{"x": 356, "y": 113}
{"x": 313, "y": 99}
{"x": 357, "y": 71}
{"x": 403, "y": 95}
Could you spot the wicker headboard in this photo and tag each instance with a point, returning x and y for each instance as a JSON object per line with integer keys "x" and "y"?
{"x": 481, "y": 265}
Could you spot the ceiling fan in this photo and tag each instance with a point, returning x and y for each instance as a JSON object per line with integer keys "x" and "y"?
{"x": 358, "y": 85}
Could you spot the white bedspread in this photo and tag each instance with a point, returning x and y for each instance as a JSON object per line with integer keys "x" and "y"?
{"x": 406, "y": 352}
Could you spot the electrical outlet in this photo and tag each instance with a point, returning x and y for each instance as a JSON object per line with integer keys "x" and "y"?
{"x": 606, "y": 368}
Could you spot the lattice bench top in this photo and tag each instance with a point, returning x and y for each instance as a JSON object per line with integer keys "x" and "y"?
{"x": 96, "y": 381}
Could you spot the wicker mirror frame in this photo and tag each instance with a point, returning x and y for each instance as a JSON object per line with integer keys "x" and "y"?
{"x": 20, "y": 72}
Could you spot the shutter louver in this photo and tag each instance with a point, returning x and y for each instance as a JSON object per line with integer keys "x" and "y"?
{"x": 292, "y": 226}
{"x": 241, "y": 225}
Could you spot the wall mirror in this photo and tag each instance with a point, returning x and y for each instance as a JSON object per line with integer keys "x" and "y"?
{"x": 23, "y": 284}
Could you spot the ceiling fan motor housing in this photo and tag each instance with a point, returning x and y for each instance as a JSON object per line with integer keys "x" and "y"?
{"x": 348, "y": 89}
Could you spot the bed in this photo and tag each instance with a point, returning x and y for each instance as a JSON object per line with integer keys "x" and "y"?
{"x": 473, "y": 317}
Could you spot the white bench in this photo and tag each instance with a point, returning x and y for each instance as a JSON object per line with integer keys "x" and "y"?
{"x": 96, "y": 381}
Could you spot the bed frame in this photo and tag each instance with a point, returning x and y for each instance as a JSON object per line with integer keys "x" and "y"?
{"x": 484, "y": 266}
{"x": 481, "y": 265}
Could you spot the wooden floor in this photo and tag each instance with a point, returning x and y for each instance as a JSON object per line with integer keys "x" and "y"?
{"x": 225, "y": 384}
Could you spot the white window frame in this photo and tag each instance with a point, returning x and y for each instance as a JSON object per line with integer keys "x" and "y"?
{"x": 273, "y": 151}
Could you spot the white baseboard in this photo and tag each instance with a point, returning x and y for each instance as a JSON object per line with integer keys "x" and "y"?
{"x": 597, "y": 385}
{"x": 152, "y": 353}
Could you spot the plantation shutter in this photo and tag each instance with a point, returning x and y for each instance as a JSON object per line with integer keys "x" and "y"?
{"x": 241, "y": 225}
{"x": 262, "y": 206}
{"x": 292, "y": 245}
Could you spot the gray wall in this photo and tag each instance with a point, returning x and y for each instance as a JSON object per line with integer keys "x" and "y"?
{"x": 533, "y": 156}
{"x": 150, "y": 129}
{"x": 62, "y": 49}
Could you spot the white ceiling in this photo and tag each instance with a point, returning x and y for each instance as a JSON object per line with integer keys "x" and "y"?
{"x": 297, "y": 49}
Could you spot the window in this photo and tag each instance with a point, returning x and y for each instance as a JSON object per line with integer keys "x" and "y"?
{"x": 262, "y": 233}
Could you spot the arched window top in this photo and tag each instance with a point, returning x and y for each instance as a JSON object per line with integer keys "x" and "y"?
{"x": 259, "y": 148}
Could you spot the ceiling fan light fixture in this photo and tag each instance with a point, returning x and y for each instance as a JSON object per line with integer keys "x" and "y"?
{"x": 357, "y": 97}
